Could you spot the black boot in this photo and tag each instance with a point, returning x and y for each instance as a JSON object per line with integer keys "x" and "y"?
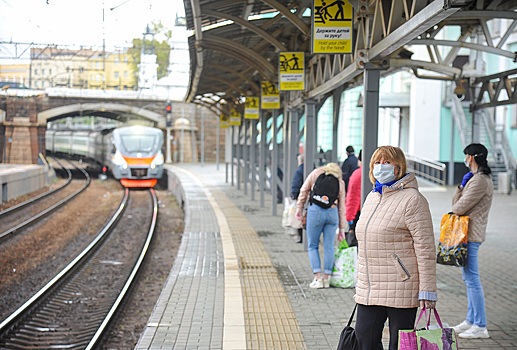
{"x": 300, "y": 234}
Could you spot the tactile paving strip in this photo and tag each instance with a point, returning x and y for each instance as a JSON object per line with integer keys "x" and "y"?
{"x": 270, "y": 320}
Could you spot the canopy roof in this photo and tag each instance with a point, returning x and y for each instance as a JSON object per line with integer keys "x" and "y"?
{"x": 237, "y": 43}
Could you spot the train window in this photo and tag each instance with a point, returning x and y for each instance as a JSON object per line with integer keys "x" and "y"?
{"x": 138, "y": 143}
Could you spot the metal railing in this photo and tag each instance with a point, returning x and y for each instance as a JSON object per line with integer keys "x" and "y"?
{"x": 427, "y": 169}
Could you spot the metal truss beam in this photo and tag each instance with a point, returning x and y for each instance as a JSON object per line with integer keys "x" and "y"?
{"x": 292, "y": 17}
{"x": 257, "y": 30}
{"x": 242, "y": 53}
{"x": 492, "y": 87}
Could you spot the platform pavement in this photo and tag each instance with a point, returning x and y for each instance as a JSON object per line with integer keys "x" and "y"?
{"x": 321, "y": 314}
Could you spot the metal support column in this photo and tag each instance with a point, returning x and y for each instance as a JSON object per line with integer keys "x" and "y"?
{"x": 246, "y": 155}
{"x": 232, "y": 145}
{"x": 253, "y": 157}
{"x": 293, "y": 151}
{"x": 285, "y": 146}
{"x": 451, "y": 161}
{"x": 310, "y": 147}
{"x": 274, "y": 163}
{"x": 262, "y": 156}
{"x": 239, "y": 156}
{"x": 336, "y": 99}
{"x": 370, "y": 126}
{"x": 310, "y": 137}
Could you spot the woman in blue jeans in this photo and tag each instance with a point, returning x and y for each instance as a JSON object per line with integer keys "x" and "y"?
{"x": 473, "y": 198}
{"x": 321, "y": 220}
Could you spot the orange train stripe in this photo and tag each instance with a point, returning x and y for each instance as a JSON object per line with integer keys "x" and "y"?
{"x": 138, "y": 183}
{"x": 138, "y": 161}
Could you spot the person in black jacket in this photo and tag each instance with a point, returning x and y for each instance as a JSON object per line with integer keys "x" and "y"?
{"x": 296, "y": 184}
{"x": 349, "y": 165}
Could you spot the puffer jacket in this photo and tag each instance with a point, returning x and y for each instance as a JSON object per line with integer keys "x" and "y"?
{"x": 475, "y": 201}
{"x": 397, "y": 256}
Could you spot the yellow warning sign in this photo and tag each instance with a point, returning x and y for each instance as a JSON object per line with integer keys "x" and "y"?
{"x": 270, "y": 98}
{"x": 251, "y": 110}
{"x": 332, "y": 26}
{"x": 291, "y": 71}
{"x": 224, "y": 121}
{"x": 235, "y": 117}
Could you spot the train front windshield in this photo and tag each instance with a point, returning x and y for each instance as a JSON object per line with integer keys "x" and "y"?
{"x": 138, "y": 143}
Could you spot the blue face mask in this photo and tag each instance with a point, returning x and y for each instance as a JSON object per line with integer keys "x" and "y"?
{"x": 384, "y": 173}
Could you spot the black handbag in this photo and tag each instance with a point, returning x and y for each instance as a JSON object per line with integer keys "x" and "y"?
{"x": 347, "y": 339}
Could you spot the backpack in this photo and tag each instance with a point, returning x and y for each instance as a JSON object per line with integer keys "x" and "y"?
{"x": 325, "y": 191}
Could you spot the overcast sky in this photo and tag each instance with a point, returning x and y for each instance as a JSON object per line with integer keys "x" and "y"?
{"x": 80, "y": 22}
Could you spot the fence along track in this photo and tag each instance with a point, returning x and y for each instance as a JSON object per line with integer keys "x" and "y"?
{"x": 47, "y": 211}
{"x": 76, "y": 307}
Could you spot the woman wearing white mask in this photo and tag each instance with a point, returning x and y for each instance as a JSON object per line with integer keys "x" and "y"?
{"x": 396, "y": 270}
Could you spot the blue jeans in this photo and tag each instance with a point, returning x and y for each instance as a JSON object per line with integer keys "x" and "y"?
{"x": 476, "y": 298}
{"x": 321, "y": 220}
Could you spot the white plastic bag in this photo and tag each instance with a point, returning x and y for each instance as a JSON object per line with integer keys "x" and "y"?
{"x": 345, "y": 266}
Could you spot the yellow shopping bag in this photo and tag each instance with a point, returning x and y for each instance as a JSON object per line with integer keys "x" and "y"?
{"x": 452, "y": 248}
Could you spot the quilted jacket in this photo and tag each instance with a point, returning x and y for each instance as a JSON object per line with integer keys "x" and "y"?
{"x": 397, "y": 256}
{"x": 475, "y": 201}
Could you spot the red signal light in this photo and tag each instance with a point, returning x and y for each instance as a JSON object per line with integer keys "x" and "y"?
{"x": 104, "y": 169}
{"x": 168, "y": 108}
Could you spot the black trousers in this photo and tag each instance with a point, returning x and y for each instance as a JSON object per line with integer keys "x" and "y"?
{"x": 370, "y": 323}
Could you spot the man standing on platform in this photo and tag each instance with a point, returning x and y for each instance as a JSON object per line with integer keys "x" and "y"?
{"x": 349, "y": 165}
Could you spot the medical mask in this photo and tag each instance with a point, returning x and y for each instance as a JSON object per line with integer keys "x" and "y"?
{"x": 466, "y": 163}
{"x": 384, "y": 173}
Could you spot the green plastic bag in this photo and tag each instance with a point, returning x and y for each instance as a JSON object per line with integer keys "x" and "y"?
{"x": 345, "y": 266}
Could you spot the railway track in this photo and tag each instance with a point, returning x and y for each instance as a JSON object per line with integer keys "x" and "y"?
{"x": 75, "y": 308}
{"x": 17, "y": 218}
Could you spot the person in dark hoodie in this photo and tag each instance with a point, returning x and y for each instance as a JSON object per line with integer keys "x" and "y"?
{"x": 349, "y": 165}
{"x": 296, "y": 184}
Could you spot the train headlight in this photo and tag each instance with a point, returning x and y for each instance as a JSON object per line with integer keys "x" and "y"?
{"x": 157, "y": 161}
{"x": 118, "y": 160}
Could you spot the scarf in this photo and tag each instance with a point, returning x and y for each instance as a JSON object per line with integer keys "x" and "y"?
{"x": 378, "y": 186}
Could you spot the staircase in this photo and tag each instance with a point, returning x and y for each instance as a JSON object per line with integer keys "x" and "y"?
{"x": 500, "y": 157}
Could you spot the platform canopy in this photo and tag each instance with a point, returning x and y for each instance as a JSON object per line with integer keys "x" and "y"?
{"x": 236, "y": 44}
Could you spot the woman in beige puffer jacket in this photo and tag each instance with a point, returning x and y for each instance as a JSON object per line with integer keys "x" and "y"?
{"x": 397, "y": 258}
{"x": 473, "y": 198}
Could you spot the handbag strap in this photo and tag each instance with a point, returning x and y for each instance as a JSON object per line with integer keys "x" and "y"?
{"x": 424, "y": 311}
{"x": 352, "y": 316}
{"x": 438, "y": 318}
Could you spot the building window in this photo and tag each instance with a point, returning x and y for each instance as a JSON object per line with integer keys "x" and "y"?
{"x": 126, "y": 75}
{"x": 117, "y": 75}
{"x": 97, "y": 65}
{"x": 43, "y": 71}
{"x": 117, "y": 60}
{"x": 50, "y": 71}
{"x": 36, "y": 72}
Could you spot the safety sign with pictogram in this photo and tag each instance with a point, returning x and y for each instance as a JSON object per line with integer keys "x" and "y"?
{"x": 291, "y": 68}
{"x": 224, "y": 121}
{"x": 251, "y": 108}
{"x": 235, "y": 117}
{"x": 332, "y": 26}
{"x": 270, "y": 98}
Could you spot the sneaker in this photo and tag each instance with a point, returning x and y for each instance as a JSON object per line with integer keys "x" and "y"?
{"x": 326, "y": 284}
{"x": 475, "y": 332}
{"x": 316, "y": 284}
{"x": 462, "y": 327}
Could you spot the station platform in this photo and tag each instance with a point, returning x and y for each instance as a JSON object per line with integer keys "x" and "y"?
{"x": 239, "y": 282}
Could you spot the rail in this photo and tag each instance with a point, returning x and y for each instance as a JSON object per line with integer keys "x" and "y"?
{"x": 430, "y": 170}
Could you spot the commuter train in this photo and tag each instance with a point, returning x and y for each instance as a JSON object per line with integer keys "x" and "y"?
{"x": 133, "y": 154}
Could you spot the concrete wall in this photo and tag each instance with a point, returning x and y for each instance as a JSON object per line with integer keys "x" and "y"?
{"x": 18, "y": 180}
